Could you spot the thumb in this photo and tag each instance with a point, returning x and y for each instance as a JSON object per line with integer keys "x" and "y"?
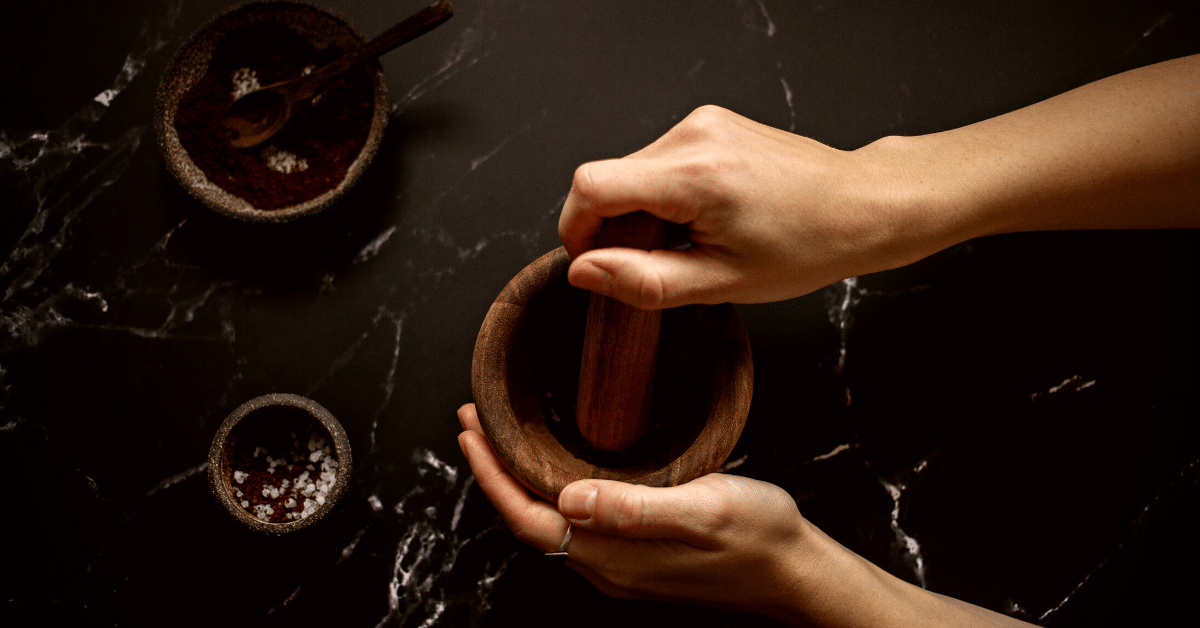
{"x": 684, "y": 512}
{"x": 652, "y": 280}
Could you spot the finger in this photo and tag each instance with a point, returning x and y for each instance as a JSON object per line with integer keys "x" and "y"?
{"x": 688, "y": 512}
{"x": 532, "y": 521}
{"x": 468, "y": 418}
{"x": 603, "y": 189}
{"x": 653, "y": 280}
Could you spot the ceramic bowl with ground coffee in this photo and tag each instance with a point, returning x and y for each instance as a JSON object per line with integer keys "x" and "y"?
{"x": 307, "y": 165}
{"x": 279, "y": 462}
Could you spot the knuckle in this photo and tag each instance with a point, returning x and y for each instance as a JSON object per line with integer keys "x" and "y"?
{"x": 583, "y": 184}
{"x": 709, "y": 115}
{"x": 706, "y": 122}
{"x": 723, "y": 508}
{"x": 630, "y": 512}
{"x": 649, "y": 291}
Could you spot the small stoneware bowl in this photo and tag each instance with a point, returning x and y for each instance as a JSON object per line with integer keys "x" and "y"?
{"x": 206, "y": 74}
{"x": 279, "y": 463}
{"x": 525, "y": 376}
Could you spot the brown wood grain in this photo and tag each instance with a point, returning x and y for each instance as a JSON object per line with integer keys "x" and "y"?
{"x": 620, "y": 347}
{"x": 524, "y": 380}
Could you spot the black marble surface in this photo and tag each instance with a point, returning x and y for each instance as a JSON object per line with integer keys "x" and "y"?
{"x": 1012, "y": 421}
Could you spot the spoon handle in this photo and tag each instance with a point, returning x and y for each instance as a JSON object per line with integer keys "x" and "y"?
{"x": 412, "y": 27}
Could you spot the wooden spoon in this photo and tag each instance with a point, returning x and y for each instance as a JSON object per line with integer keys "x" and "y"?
{"x": 261, "y": 113}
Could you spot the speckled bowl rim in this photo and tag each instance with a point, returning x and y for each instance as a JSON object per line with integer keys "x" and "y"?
{"x": 175, "y": 82}
{"x": 219, "y": 473}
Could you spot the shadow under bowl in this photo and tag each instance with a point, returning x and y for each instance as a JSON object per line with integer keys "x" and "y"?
{"x": 525, "y": 377}
{"x": 275, "y": 423}
{"x": 190, "y": 65}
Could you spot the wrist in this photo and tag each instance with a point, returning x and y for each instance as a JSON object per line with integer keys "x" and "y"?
{"x": 916, "y": 198}
{"x": 829, "y": 585}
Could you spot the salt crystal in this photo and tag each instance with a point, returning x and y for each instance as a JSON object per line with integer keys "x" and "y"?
{"x": 271, "y": 470}
{"x": 321, "y": 499}
{"x": 245, "y": 504}
{"x": 282, "y": 161}
{"x": 315, "y": 457}
{"x": 245, "y": 81}
{"x": 240, "y": 476}
{"x": 239, "y": 494}
{"x": 284, "y": 484}
{"x": 290, "y": 503}
{"x": 266, "y": 491}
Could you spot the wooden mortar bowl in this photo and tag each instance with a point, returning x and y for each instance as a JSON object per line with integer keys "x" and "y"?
{"x": 525, "y": 375}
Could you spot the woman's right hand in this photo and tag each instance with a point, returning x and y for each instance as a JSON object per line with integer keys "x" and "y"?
{"x": 773, "y": 215}
{"x": 770, "y": 215}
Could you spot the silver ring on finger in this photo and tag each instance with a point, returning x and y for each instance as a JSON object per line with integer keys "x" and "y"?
{"x": 562, "y": 547}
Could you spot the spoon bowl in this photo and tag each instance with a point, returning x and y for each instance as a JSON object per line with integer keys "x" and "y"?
{"x": 257, "y": 116}
{"x": 260, "y": 114}
{"x": 215, "y": 52}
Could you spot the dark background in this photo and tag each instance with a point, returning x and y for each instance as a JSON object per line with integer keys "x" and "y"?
{"x": 1018, "y": 413}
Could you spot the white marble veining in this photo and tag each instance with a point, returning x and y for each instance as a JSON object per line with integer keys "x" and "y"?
{"x": 379, "y": 290}
{"x": 429, "y": 548}
{"x": 177, "y": 478}
{"x": 1188, "y": 475}
{"x": 1074, "y": 383}
{"x": 463, "y": 54}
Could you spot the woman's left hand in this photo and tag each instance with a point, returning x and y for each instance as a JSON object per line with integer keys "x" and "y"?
{"x": 720, "y": 540}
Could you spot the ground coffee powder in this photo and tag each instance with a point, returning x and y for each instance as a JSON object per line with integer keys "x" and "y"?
{"x": 305, "y": 159}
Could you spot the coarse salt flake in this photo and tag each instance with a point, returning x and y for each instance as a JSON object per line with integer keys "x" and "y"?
{"x": 282, "y": 161}
{"x": 245, "y": 81}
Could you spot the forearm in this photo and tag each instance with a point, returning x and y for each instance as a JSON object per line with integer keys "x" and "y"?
{"x": 830, "y": 586}
{"x": 1122, "y": 152}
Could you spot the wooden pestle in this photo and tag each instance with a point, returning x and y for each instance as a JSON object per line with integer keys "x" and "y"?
{"x": 620, "y": 347}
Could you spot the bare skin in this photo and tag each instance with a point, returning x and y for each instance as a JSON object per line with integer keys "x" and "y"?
{"x": 723, "y": 541}
{"x": 772, "y": 215}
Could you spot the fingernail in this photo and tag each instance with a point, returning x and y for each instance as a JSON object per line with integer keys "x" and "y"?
{"x": 590, "y": 277}
{"x": 576, "y": 502}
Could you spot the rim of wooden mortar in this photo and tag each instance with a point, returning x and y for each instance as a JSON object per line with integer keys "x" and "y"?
{"x": 190, "y": 64}
{"x": 547, "y": 469}
{"x": 219, "y": 458}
